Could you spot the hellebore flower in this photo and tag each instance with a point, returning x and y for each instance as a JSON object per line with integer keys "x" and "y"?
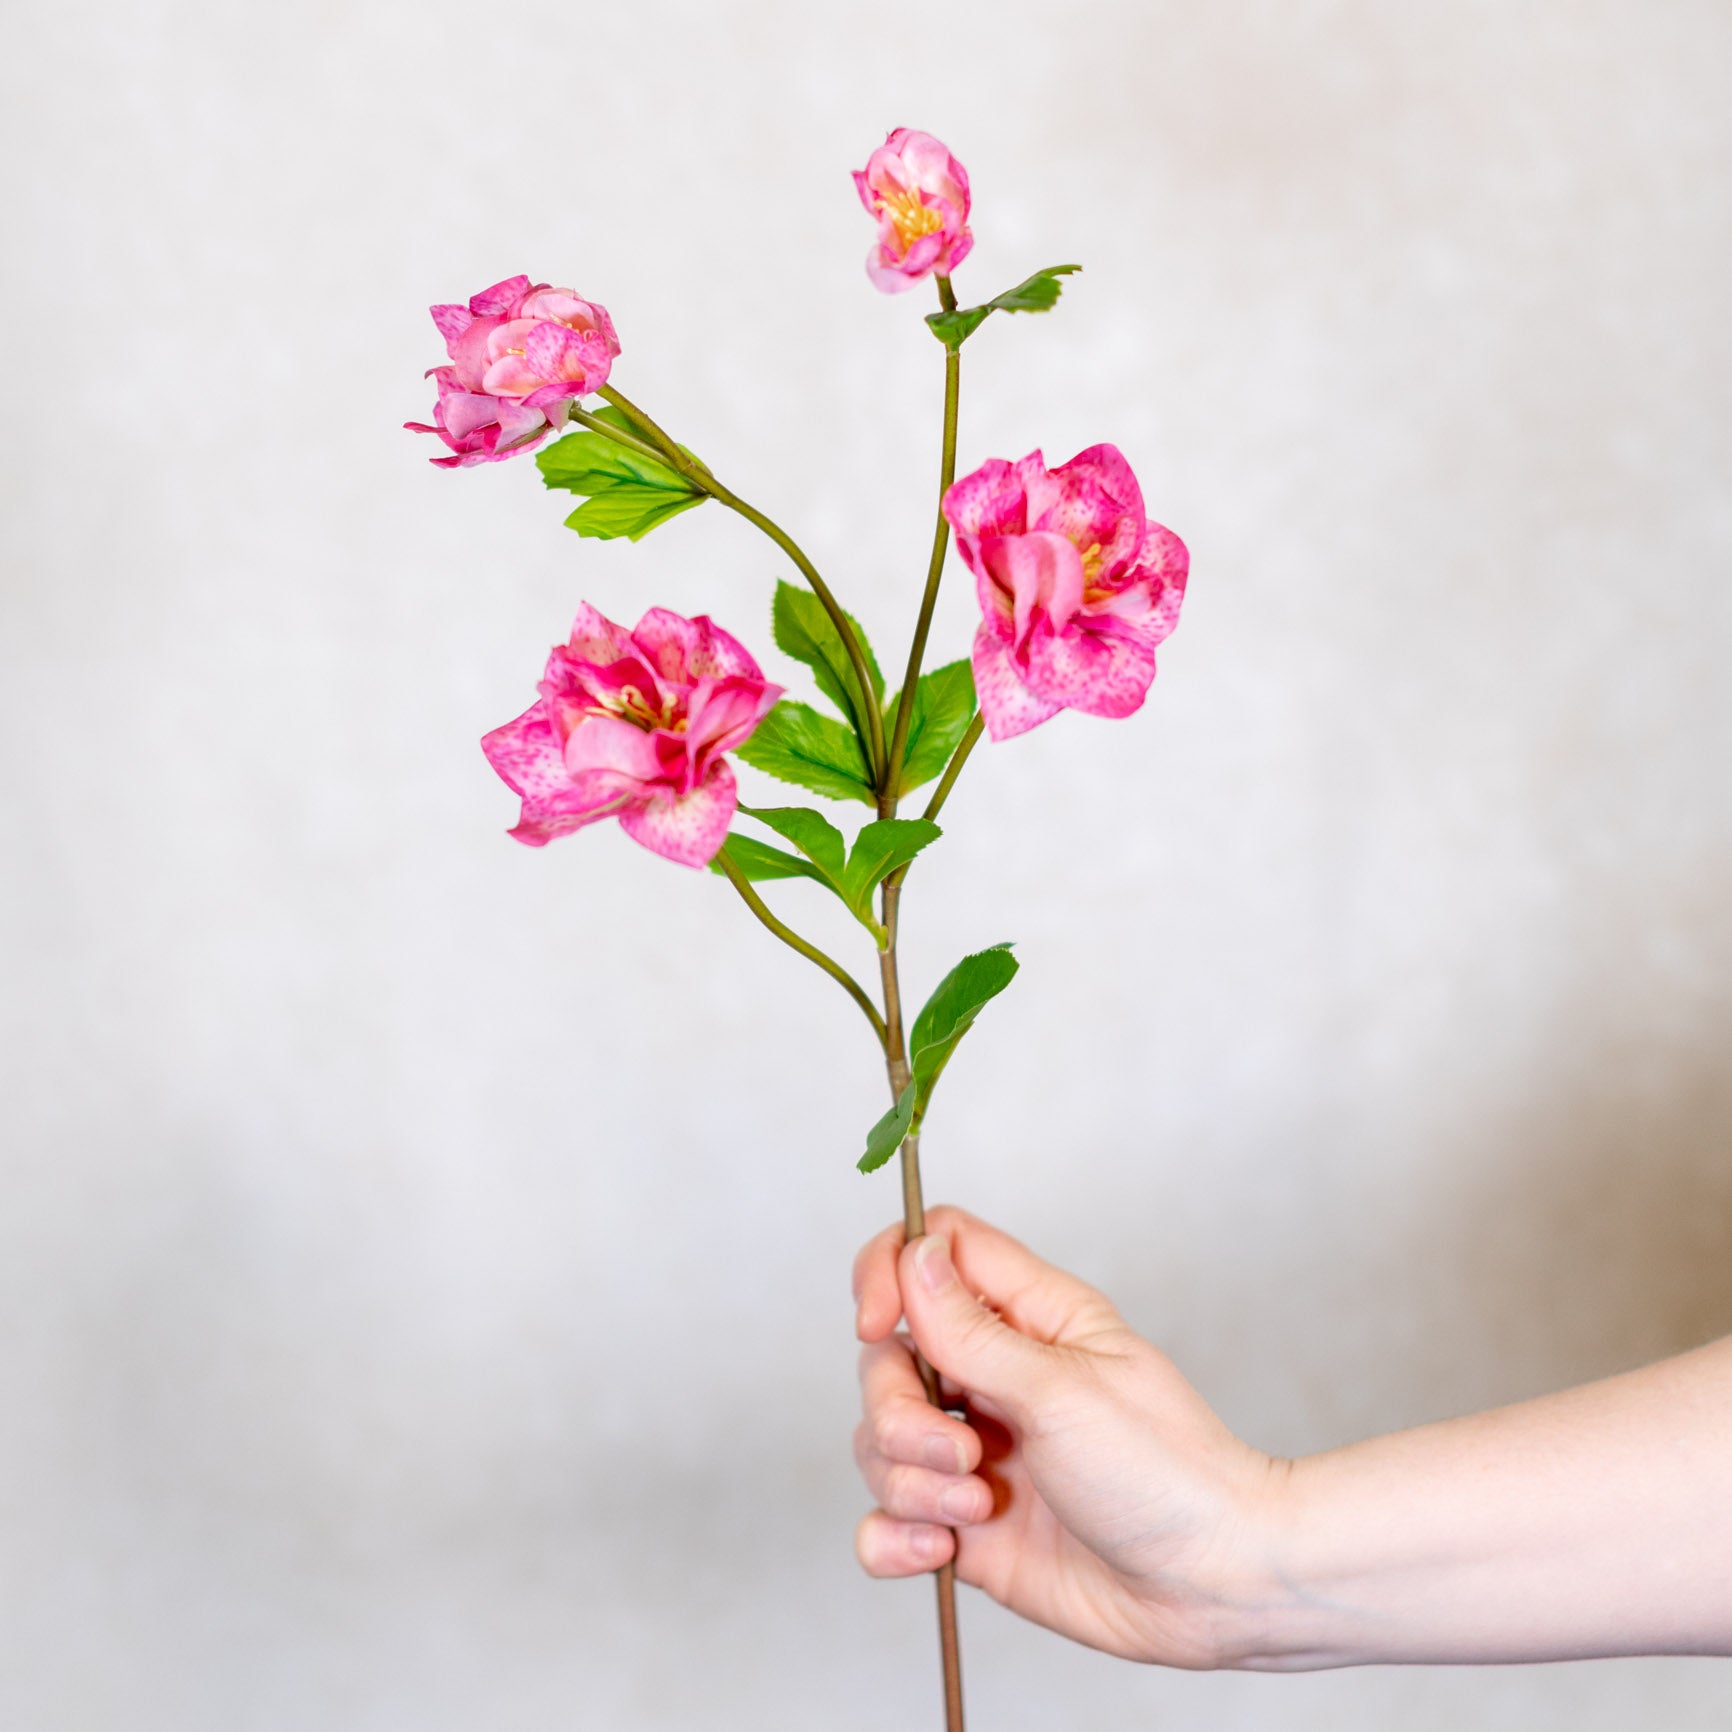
{"x": 633, "y": 725}
{"x": 919, "y": 193}
{"x": 1076, "y": 586}
{"x": 520, "y": 352}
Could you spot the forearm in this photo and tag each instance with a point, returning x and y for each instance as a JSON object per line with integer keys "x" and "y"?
{"x": 1593, "y": 1522}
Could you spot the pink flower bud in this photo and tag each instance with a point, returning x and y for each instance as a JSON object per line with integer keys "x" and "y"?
{"x": 634, "y": 725}
{"x": 520, "y": 353}
{"x": 919, "y": 193}
{"x": 1076, "y": 586}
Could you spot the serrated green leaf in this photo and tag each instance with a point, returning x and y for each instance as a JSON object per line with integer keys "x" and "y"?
{"x": 804, "y": 630}
{"x": 796, "y": 744}
{"x": 878, "y": 850}
{"x": 950, "y": 1012}
{"x": 758, "y": 860}
{"x": 1038, "y": 294}
{"x": 811, "y": 832}
{"x": 943, "y": 708}
{"x": 629, "y": 493}
{"x": 886, "y": 1137}
{"x": 629, "y": 510}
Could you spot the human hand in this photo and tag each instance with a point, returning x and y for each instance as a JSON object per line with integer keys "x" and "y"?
{"x": 1089, "y": 1487}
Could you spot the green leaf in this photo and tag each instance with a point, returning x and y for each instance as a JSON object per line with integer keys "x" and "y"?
{"x": 950, "y": 1012}
{"x": 804, "y": 630}
{"x": 1039, "y": 294}
{"x": 811, "y": 832}
{"x": 886, "y": 1137}
{"x": 629, "y": 493}
{"x": 796, "y": 744}
{"x": 629, "y": 510}
{"x": 758, "y": 860}
{"x": 943, "y": 708}
{"x": 878, "y": 850}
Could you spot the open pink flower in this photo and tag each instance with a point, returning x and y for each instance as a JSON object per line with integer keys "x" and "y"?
{"x": 1076, "y": 586}
{"x": 520, "y": 352}
{"x": 919, "y": 193}
{"x": 633, "y": 725}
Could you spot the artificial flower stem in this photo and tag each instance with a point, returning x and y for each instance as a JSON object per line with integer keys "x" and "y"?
{"x": 889, "y": 791}
{"x": 954, "y": 768}
{"x": 612, "y": 433}
{"x": 810, "y": 951}
{"x": 914, "y": 1227}
{"x": 705, "y": 482}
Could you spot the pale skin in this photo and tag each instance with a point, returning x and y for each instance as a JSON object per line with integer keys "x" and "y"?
{"x": 1091, "y": 1489}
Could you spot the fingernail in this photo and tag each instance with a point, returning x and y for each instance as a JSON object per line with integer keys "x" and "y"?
{"x": 946, "y": 1454}
{"x": 961, "y": 1503}
{"x": 932, "y": 1263}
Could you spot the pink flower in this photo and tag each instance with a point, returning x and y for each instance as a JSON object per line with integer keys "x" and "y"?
{"x": 519, "y": 353}
{"x": 633, "y": 725}
{"x": 1076, "y": 586}
{"x": 919, "y": 193}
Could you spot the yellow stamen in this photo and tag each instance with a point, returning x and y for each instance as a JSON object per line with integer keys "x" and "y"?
{"x": 909, "y": 217}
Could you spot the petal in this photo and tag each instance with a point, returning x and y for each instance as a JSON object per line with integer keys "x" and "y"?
{"x": 595, "y": 638}
{"x": 1102, "y": 673}
{"x": 527, "y": 758}
{"x": 452, "y": 321}
{"x": 559, "y": 355}
{"x": 468, "y": 351}
{"x": 498, "y": 300}
{"x": 684, "y": 650}
{"x": 511, "y": 376}
{"x": 1041, "y": 572}
{"x": 466, "y": 411}
{"x": 688, "y": 828}
{"x": 990, "y": 501}
{"x": 889, "y": 277}
{"x": 607, "y": 743}
{"x": 722, "y": 713}
{"x": 1006, "y": 704}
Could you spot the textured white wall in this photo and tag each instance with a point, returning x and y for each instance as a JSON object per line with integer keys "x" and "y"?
{"x": 423, "y": 1262}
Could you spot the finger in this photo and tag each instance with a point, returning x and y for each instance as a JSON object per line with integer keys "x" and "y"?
{"x": 965, "y": 1339}
{"x": 903, "y": 1425}
{"x": 1033, "y": 1296}
{"x": 887, "y": 1547}
{"x": 919, "y": 1494}
{"x": 877, "y": 1300}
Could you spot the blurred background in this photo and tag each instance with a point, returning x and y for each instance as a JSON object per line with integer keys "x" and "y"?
{"x": 423, "y": 1260}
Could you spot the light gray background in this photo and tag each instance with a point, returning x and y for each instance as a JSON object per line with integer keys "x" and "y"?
{"x": 423, "y": 1262}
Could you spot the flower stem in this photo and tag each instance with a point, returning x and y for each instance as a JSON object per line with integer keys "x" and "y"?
{"x": 614, "y": 434}
{"x": 954, "y": 768}
{"x": 810, "y": 951}
{"x": 890, "y": 790}
{"x": 705, "y": 482}
{"x": 914, "y": 1227}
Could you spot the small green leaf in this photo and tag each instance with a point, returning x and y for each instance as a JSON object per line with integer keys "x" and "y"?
{"x": 886, "y": 1137}
{"x": 811, "y": 832}
{"x": 758, "y": 860}
{"x": 805, "y": 631}
{"x": 1039, "y": 294}
{"x": 630, "y": 510}
{"x": 629, "y": 493}
{"x": 878, "y": 850}
{"x": 943, "y": 708}
{"x": 796, "y": 744}
{"x": 950, "y": 1012}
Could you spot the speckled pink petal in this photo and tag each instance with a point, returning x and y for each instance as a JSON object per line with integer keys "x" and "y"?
{"x": 1078, "y": 507}
{"x": 469, "y": 354}
{"x": 690, "y": 828}
{"x": 892, "y": 279}
{"x": 989, "y": 501}
{"x": 595, "y": 638}
{"x": 499, "y": 300}
{"x": 562, "y": 356}
{"x": 668, "y": 641}
{"x": 721, "y": 714}
{"x": 463, "y": 412}
{"x": 451, "y": 320}
{"x": 527, "y": 759}
{"x": 511, "y": 376}
{"x": 1099, "y": 673}
{"x": 1041, "y": 572}
{"x": 518, "y": 424}
{"x": 1007, "y": 706}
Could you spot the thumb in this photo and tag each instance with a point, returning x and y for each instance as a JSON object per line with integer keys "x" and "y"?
{"x": 963, "y": 1339}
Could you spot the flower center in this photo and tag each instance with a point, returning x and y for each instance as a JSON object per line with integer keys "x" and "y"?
{"x": 1093, "y": 558}
{"x": 630, "y": 705}
{"x": 910, "y": 217}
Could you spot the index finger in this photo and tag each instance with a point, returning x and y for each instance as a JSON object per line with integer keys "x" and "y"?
{"x": 877, "y": 1294}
